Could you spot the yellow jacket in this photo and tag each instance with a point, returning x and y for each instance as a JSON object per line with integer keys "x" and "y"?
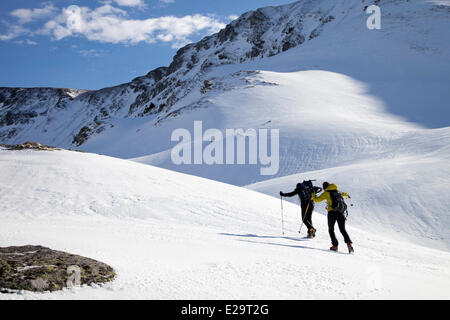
{"x": 326, "y": 196}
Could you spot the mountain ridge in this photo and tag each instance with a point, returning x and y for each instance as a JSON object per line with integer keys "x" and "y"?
{"x": 264, "y": 32}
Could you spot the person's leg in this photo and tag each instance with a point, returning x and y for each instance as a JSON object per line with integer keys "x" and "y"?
{"x": 306, "y": 218}
{"x": 331, "y": 223}
{"x": 309, "y": 216}
{"x": 341, "y": 224}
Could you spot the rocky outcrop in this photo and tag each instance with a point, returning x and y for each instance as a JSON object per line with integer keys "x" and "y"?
{"x": 36, "y": 268}
{"x": 28, "y": 145}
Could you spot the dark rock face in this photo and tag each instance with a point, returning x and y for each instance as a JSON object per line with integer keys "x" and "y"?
{"x": 207, "y": 84}
{"x": 82, "y": 136}
{"x": 323, "y": 21}
{"x": 11, "y": 118}
{"x": 36, "y": 268}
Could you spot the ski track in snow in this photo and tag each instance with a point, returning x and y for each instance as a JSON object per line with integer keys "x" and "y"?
{"x": 174, "y": 236}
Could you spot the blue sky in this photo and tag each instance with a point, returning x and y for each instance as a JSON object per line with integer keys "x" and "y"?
{"x": 91, "y": 44}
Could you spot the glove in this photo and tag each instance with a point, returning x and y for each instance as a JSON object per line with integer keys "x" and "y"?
{"x": 317, "y": 190}
{"x": 281, "y": 194}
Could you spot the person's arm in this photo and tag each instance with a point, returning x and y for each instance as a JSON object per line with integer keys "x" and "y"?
{"x": 320, "y": 198}
{"x": 345, "y": 194}
{"x": 290, "y": 194}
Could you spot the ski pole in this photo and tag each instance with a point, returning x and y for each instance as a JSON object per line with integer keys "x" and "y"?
{"x": 282, "y": 215}
{"x": 351, "y": 202}
{"x": 351, "y": 205}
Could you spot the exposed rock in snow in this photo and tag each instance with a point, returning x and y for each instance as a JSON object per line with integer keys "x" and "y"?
{"x": 28, "y": 145}
{"x": 36, "y": 268}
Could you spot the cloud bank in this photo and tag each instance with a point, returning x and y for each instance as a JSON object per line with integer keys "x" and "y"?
{"x": 110, "y": 24}
{"x": 30, "y": 15}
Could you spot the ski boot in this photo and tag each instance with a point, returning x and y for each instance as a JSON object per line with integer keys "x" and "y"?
{"x": 334, "y": 248}
{"x": 350, "y": 248}
{"x": 312, "y": 233}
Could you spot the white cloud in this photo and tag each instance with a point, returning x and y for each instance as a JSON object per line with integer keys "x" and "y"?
{"x": 130, "y": 3}
{"x": 167, "y": 1}
{"x": 90, "y": 53}
{"x": 30, "y": 15}
{"x": 14, "y": 32}
{"x": 26, "y": 16}
{"x": 27, "y": 41}
{"x": 110, "y": 25}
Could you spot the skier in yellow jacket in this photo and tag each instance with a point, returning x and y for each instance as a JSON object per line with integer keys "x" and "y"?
{"x": 335, "y": 214}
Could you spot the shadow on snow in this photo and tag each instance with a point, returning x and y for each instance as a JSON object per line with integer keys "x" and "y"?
{"x": 274, "y": 243}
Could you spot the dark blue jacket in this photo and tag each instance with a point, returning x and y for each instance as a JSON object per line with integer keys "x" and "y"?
{"x": 304, "y": 194}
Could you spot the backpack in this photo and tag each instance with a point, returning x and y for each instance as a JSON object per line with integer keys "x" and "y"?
{"x": 338, "y": 203}
{"x": 306, "y": 191}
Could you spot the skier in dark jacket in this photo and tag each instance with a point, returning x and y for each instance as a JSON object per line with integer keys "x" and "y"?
{"x": 305, "y": 191}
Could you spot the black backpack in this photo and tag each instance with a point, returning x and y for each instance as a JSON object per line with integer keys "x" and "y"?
{"x": 306, "y": 188}
{"x": 338, "y": 203}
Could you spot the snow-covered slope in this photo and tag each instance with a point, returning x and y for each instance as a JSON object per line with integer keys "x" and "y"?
{"x": 402, "y": 195}
{"x": 331, "y": 109}
{"x": 352, "y": 105}
{"x": 174, "y": 236}
{"x": 405, "y": 65}
{"x": 325, "y": 119}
